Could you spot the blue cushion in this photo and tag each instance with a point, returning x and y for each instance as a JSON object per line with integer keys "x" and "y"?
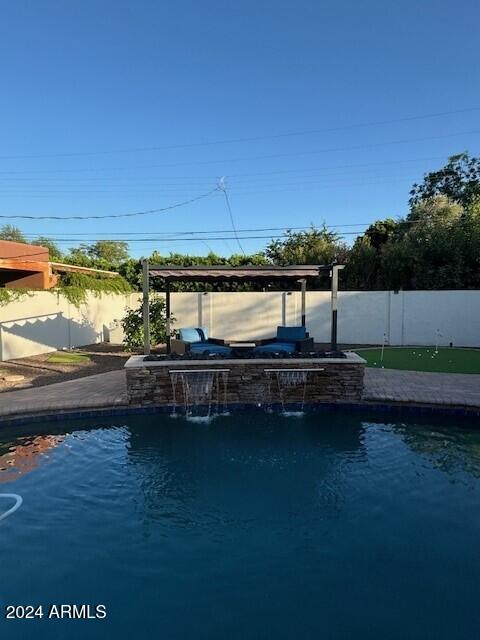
{"x": 275, "y": 347}
{"x": 201, "y": 347}
{"x": 189, "y": 334}
{"x": 291, "y": 334}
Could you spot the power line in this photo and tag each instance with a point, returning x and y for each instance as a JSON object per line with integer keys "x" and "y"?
{"x": 262, "y": 157}
{"x": 245, "y": 139}
{"x": 222, "y": 187}
{"x": 208, "y": 239}
{"x": 170, "y": 235}
{"x": 117, "y": 215}
{"x": 302, "y": 180}
{"x": 210, "y": 178}
{"x": 213, "y": 238}
{"x": 186, "y": 233}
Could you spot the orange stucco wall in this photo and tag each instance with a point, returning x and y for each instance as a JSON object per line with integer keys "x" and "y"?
{"x": 25, "y": 266}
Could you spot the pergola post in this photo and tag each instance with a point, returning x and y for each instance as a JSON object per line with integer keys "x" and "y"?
{"x": 334, "y": 298}
{"x": 167, "y": 313}
{"x": 146, "y": 308}
{"x": 303, "y": 283}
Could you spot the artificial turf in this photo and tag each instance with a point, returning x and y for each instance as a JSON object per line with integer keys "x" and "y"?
{"x": 447, "y": 360}
{"x": 68, "y": 358}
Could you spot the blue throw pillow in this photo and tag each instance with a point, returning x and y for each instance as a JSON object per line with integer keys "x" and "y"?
{"x": 291, "y": 334}
{"x": 203, "y": 333}
{"x": 189, "y": 334}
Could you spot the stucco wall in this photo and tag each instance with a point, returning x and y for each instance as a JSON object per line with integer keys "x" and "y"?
{"x": 411, "y": 317}
{"x": 43, "y": 322}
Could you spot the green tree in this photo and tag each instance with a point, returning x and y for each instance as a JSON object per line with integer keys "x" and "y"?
{"x": 428, "y": 249}
{"x": 381, "y": 232}
{"x": 12, "y": 233}
{"x": 111, "y": 252}
{"x": 362, "y": 269}
{"x": 364, "y": 264}
{"x": 314, "y": 246}
{"x": 54, "y": 251}
{"x": 458, "y": 180}
{"x": 433, "y": 235}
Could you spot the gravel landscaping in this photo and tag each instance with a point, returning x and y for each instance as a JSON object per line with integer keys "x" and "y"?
{"x": 49, "y": 368}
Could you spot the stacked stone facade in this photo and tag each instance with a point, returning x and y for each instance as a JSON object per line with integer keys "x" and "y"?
{"x": 149, "y": 383}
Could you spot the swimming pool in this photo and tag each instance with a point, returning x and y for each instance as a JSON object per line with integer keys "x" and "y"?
{"x": 332, "y": 525}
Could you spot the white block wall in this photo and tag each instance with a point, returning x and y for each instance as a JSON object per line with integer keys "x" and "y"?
{"x": 406, "y": 318}
{"x": 45, "y": 322}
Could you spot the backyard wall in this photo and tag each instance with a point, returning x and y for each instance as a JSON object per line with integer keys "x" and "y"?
{"x": 45, "y": 322}
{"x": 406, "y": 318}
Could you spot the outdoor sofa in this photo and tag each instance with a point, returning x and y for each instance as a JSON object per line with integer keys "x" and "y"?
{"x": 196, "y": 340}
{"x": 287, "y": 340}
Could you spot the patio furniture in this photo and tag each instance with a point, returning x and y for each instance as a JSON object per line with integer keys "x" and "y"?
{"x": 241, "y": 348}
{"x": 264, "y": 274}
{"x": 288, "y": 340}
{"x": 196, "y": 340}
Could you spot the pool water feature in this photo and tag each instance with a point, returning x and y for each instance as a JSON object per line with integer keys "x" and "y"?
{"x": 333, "y": 525}
{"x": 288, "y": 381}
{"x": 203, "y": 390}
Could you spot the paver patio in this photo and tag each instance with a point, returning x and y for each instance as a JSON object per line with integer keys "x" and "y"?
{"x": 422, "y": 387}
{"x": 101, "y": 390}
{"x": 108, "y": 389}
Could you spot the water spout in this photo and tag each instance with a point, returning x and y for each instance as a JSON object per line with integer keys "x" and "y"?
{"x": 289, "y": 383}
{"x": 204, "y": 392}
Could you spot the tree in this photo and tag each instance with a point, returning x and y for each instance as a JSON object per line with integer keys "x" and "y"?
{"x": 458, "y": 180}
{"x": 54, "y": 251}
{"x": 112, "y": 252}
{"x": 12, "y": 233}
{"x": 431, "y": 235}
{"x": 381, "y": 232}
{"x": 315, "y": 246}
{"x": 363, "y": 265}
{"x": 132, "y": 325}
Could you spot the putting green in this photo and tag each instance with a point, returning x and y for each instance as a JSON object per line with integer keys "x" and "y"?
{"x": 447, "y": 360}
{"x": 67, "y": 358}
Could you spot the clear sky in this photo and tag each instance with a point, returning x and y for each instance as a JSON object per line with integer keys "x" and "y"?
{"x": 107, "y": 107}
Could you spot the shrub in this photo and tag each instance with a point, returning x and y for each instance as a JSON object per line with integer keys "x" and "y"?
{"x": 132, "y": 325}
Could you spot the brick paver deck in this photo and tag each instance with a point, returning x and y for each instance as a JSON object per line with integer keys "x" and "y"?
{"x": 422, "y": 387}
{"x": 101, "y": 390}
{"x": 108, "y": 389}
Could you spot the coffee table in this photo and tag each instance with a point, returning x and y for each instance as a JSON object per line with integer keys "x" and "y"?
{"x": 240, "y": 348}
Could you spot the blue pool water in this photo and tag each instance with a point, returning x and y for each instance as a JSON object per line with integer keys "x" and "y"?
{"x": 253, "y": 526}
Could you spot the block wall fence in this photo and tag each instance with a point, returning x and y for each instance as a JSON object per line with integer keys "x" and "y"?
{"x": 43, "y": 321}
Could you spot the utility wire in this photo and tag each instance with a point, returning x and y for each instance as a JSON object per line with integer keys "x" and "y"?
{"x": 116, "y": 215}
{"x": 301, "y": 180}
{"x": 210, "y": 178}
{"x": 209, "y": 239}
{"x": 262, "y": 157}
{"x": 187, "y": 233}
{"x": 179, "y": 235}
{"x": 246, "y": 139}
{"x": 222, "y": 187}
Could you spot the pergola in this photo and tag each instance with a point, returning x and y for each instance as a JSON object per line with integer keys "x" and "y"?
{"x": 296, "y": 274}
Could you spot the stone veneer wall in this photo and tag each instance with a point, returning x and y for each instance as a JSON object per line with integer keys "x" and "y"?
{"x": 247, "y": 382}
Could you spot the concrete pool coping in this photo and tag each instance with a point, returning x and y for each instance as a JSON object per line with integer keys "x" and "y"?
{"x": 135, "y": 362}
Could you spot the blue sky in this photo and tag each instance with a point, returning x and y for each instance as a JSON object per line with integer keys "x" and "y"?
{"x": 88, "y": 88}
